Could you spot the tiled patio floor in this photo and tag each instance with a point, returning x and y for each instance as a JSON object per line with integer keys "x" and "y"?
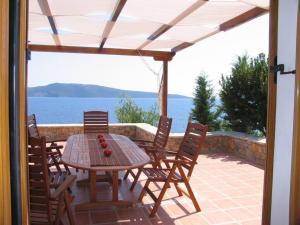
{"x": 228, "y": 189}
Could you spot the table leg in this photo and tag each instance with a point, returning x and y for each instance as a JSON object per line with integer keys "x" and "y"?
{"x": 115, "y": 185}
{"x": 92, "y": 178}
{"x": 115, "y": 192}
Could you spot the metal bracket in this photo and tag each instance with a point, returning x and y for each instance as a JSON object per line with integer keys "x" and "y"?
{"x": 28, "y": 54}
{"x": 280, "y": 68}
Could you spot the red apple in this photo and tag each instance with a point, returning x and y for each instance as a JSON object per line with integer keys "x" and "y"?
{"x": 100, "y": 136}
{"x": 101, "y": 140}
{"x": 107, "y": 152}
{"x": 103, "y": 144}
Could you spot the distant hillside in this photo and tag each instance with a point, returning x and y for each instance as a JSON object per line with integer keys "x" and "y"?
{"x": 88, "y": 91}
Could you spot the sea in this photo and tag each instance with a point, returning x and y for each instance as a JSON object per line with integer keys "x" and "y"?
{"x": 65, "y": 110}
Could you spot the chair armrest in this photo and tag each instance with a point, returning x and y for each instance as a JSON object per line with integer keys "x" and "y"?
{"x": 170, "y": 152}
{"x": 61, "y": 188}
{"x": 143, "y": 142}
{"x": 54, "y": 147}
{"x": 55, "y": 140}
{"x": 48, "y": 153}
{"x": 161, "y": 150}
{"x": 176, "y": 161}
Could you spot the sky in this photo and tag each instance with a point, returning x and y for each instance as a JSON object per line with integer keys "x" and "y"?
{"x": 213, "y": 56}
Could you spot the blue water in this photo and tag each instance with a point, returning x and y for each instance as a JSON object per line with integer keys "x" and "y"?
{"x": 70, "y": 110}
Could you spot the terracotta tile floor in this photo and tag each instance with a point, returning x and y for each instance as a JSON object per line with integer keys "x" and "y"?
{"x": 228, "y": 189}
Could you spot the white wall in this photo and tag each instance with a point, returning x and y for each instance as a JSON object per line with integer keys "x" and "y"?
{"x": 284, "y": 112}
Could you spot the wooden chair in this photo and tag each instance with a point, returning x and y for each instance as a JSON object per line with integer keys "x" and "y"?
{"x": 46, "y": 206}
{"x": 95, "y": 122}
{"x": 159, "y": 142}
{"x": 54, "y": 159}
{"x": 185, "y": 158}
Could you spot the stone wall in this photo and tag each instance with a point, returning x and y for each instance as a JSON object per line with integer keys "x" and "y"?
{"x": 63, "y": 131}
{"x": 240, "y": 144}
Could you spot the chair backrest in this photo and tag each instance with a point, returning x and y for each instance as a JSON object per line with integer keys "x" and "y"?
{"x": 39, "y": 189}
{"x": 191, "y": 144}
{"x": 32, "y": 126}
{"x": 95, "y": 122}
{"x": 163, "y": 131}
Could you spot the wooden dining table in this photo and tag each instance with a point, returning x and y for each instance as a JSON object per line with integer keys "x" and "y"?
{"x": 83, "y": 151}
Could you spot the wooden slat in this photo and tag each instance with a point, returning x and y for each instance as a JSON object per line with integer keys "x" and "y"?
{"x": 271, "y": 115}
{"x": 165, "y": 27}
{"x": 157, "y": 55}
{"x": 249, "y": 15}
{"x": 109, "y": 25}
{"x": 95, "y": 122}
{"x": 163, "y": 131}
{"x": 47, "y": 12}
{"x": 97, "y": 158}
{"x": 5, "y": 199}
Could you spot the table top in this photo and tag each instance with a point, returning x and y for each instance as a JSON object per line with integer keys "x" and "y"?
{"x": 83, "y": 151}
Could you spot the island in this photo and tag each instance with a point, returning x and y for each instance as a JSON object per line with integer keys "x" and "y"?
{"x": 89, "y": 91}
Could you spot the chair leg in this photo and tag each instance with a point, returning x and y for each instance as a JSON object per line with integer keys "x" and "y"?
{"x": 67, "y": 169}
{"x": 59, "y": 210}
{"x": 143, "y": 192}
{"x": 189, "y": 189}
{"x": 68, "y": 208}
{"x": 178, "y": 189}
{"x": 126, "y": 174}
{"x": 159, "y": 199}
{"x": 136, "y": 178}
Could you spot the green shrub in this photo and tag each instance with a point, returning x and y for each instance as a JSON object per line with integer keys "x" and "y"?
{"x": 244, "y": 95}
{"x": 205, "y": 110}
{"x": 130, "y": 112}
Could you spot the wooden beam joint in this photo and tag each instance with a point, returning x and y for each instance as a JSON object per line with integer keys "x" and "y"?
{"x": 181, "y": 46}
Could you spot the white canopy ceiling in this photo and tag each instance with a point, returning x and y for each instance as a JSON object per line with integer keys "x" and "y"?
{"x": 168, "y": 25}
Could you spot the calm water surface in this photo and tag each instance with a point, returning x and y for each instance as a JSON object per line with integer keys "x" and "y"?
{"x": 70, "y": 110}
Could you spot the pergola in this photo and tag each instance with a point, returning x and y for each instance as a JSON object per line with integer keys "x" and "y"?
{"x": 150, "y": 28}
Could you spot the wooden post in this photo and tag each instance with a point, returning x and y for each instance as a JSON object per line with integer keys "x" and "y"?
{"x": 164, "y": 99}
{"x": 295, "y": 177}
{"x": 5, "y": 194}
{"x": 271, "y": 117}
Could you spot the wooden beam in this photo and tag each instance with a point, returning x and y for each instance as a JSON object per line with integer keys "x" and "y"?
{"x": 164, "y": 28}
{"x": 109, "y": 25}
{"x": 164, "y": 99}
{"x": 157, "y": 55}
{"x": 251, "y": 14}
{"x": 47, "y": 12}
{"x": 271, "y": 115}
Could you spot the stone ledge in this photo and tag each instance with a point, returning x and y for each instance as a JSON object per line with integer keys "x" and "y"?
{"x": 240, "y": 144}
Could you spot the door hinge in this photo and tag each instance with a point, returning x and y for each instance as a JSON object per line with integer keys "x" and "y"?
{"x": 28, "y": 54}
